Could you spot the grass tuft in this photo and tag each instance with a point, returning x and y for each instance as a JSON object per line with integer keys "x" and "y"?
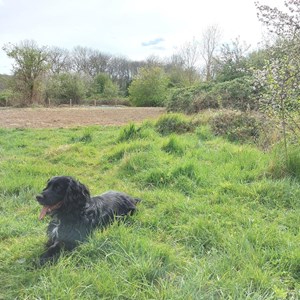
{"x": 129, "y": 132}
{"x": 174, "y": 123}
{"x": 86, "y": 137}
{"x": 282, "y": 166}
{"x": 174, "y": 146}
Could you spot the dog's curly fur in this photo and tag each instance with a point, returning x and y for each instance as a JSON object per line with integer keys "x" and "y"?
{"x": 75, "y": 213}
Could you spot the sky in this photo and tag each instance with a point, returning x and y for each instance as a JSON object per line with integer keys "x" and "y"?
{"x": 135, "y": 29}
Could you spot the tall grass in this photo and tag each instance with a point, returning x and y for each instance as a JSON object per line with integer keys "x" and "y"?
{"x": 212, "y": 223}
{"x": 285, "y": 164}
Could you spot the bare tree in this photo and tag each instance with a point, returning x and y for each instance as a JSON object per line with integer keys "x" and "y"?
{"x": 89, "y": 61}
{"x": 119, "y": 72}
{"x": 80, "y": 58}
{"x": 98, "y": 62}
{"x": 208, "y": 47}
{"x": 179, "y": 76}
{"x": 30, "y": 64}
{"x": 188, "y": 56}
{"x": 59, "y": 60}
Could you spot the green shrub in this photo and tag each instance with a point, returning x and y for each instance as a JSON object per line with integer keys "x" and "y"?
{"x": 237, "y": 126}
{"x": 235, "y": 94}
{"x": 188, "y": 100}
{"x": 174, "y": 123}
{"x": 5, "y": 97}
{"x": 65, "y": 86}
{"x": 104, "y": 88}
{"x": 149, "y": 87}
{"x": 205, "y": 101}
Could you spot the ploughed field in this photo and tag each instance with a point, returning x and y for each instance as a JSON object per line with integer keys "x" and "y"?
{"x": 75, "y": 116}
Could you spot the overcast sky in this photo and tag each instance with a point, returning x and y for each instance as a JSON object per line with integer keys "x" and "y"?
{"x": 135, "y": 29}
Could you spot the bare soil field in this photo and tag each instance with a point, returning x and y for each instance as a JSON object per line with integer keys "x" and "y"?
{"x": 75, "y": 116}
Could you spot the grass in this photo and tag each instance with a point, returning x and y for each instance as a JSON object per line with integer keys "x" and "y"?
{"x": 212, "y": 224}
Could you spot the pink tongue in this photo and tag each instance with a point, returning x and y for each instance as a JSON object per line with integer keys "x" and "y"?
{"x": 44, "y": 211}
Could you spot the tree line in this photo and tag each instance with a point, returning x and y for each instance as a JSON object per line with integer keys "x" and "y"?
{"x": 42, "y": 73}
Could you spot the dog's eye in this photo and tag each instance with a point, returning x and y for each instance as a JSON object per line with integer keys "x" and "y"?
{"x": 56, "y": 187}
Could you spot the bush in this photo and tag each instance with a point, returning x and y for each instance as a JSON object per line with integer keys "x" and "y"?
{"x": 5, "y": 97}
{"x": 237, "y": 126}
{"x": 235, "y": 94}
{"x": 149, "y": 87}
{"x": 205, "y": 101}
{"x": 63, "y": 87}
{"x": 104, "y": 88}
{"x": 174, "y": 123}
{"x": 188, "y": 100}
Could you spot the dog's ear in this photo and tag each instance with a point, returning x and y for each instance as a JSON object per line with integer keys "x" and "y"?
{"x": 76, "y": 196}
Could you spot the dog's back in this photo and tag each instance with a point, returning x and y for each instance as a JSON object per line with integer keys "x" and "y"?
{"x": 112, "y": 205}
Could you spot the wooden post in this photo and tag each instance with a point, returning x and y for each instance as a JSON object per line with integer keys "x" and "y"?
{"x": 70, "y": 102}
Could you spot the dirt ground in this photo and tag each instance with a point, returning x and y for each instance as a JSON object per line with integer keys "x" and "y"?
{"x": 75, "y": 116}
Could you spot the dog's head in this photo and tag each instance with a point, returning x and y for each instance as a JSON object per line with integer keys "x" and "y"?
{"x": 63, "y": 193}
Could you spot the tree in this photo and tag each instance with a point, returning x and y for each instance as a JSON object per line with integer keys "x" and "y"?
{"x": 59, "y": 60}
{"x": 231, "y": 63}
{"x": 89, "y": 61}
{"x": 149, "y": 87}
{"x": 120, "y": 73}
{"x": 30, "y": 64}
{"x": 65, "y": 87}
{"x": 188, "y": 57}
{"x": 104, "y": 87}
{"x": 178, "y": 74}
{"x": 282, "y": 23}
{"x": 281, "y": 75}
{"x": 208, "y": 46}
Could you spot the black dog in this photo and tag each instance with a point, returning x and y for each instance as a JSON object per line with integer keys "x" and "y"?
{"x": 75, "y": 213}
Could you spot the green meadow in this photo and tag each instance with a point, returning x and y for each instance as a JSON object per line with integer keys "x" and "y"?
{"x": 213, "y": 223}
